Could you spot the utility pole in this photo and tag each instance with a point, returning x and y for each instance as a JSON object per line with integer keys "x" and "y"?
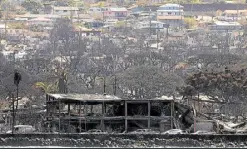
{"x": 167, "y": 28}
{"x": 80, "y": 39}
{"x": 241, "y": 18}
{"x": 157, "y": 32}
{"x": 180, "y": 13}
{"x": 5, "y": 20}
{"x": 104, "y": 86}
{"x": 13, "y": 113}
{"x": 237, "y": 11}
{"x": 115, "y": 85}
{"x": 150, "y": 33}
{"x": 99, "y": 42}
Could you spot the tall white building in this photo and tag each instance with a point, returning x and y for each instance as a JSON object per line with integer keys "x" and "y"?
{"x": 171, "y": 14}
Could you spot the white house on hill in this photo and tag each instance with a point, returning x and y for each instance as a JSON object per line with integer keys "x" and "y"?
{"x": 171, "y": 14}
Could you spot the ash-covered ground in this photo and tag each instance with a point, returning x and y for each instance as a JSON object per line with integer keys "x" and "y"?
{"x": 121, "y": 141}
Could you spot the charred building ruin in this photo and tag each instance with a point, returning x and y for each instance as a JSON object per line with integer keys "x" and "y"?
{"x": 81, "y": 112}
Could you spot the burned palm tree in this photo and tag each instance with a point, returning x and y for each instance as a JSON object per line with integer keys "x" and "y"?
{"x": 17, "y": 79}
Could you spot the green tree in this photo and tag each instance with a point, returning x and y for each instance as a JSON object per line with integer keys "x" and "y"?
{"x": 190, "y": 22}
{"x": 46, "y": 87}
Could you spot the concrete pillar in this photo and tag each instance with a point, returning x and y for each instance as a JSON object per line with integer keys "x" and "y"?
{"x": 172, "y": 113}
{"x": 68, "y": 107}
{"x": 59, "y": 114}
{"x": 126, "y": 114}
{"x": 69, "y": 116}
{"x": 103, "y": 116}
{"x": 149, "y": 111}
{"x": 85, "y": 113}
{"x": 80, "y": 116}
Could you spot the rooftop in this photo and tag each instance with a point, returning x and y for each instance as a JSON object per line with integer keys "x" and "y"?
{"x": 38, "y": 16}
{"x": 66, "y": 8}
{"x": 133, "y": 6}
{"x": 74, "y": 97}
{"x": 40, "y": 19}
{"x": 118, "y": 9}
{"x": 172, "y": 5}
{"x": 227, "y": 23}
{"x": 170, "y": 17}
{"x": 161, "y": 10}
{"x": 205, "y": 7}
{"x": 85, "y": 97}
{"x": 235, "y": 11}
{"x": 213, "y": 7}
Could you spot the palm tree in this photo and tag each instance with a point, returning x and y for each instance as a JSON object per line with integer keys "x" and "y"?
{"x": 59, "y": 85}
{"x": 47, "y": 87}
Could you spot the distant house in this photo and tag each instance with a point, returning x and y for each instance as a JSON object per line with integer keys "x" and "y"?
{"x": 12, "y": 32}
{"x": 135, "y": 9}
{"x": 96, "y": 12}
{"x": 96, "y": 9}
{"x": 131, "y": 1}
{"x": 33, "y": 16}
{"x": 41, "y": 21}
{"x": 233, "y": 15}
{"x": 202, "y": 9}
{"x": 225, "y": 26}
{"x": 152, "y": 25}
{"x": 83, "y": 17}
{"x": 2, "y": 28}
{"x": 115, "y": 13}
{"x": 151, "y": 2}
{"x": 171, "y": 14}
{"x": 93, "y": 24}
{"x": 86, "y": 32}
{"x": 90, "y": 1}
{"x": 110, "y": 22}
{"x": 65, "y": 11}
{"x": 191, "y": 41}
{"x": 16, "y": 32}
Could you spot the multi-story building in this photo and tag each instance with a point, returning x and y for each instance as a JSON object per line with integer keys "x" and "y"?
{"x": 171, "y": 14}
{"x": 125, "y": 115}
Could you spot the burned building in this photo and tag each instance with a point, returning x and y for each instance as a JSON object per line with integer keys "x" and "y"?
{"x": 81, "y": 112}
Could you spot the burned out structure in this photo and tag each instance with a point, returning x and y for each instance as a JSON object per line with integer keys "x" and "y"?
{"x": 82, "y": 112}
